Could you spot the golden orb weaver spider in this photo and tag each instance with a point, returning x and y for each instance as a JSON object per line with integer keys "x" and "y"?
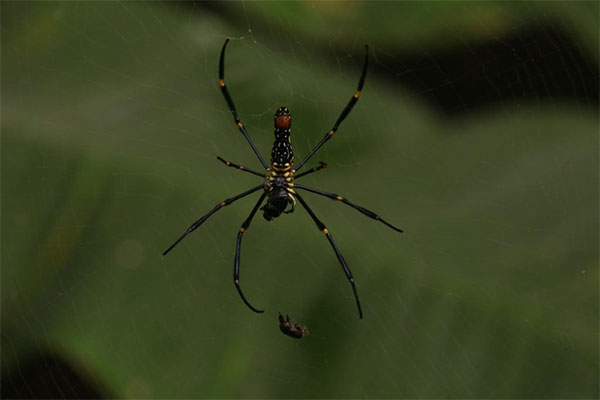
{"x": 279, "y": 186}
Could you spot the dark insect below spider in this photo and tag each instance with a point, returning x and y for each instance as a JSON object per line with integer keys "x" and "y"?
{"x": 279, "y": 187}
{"x": 297, "y": 331}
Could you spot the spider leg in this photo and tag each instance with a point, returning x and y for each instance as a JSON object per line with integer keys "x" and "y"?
{"x": 216, "y": 208}
{"x": 238, "y": 249}
{"x": 293, "y": 203}
{"x": 240, "y": 167}
{"x": 363, "y": 210}
{"x": 229, "y": 101}
{"x": 340, "y": 258}
{"x": 344, "y": 113}
{"x": 313, "y": 169}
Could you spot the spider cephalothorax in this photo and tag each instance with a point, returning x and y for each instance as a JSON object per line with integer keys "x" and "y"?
{"x": 280, "y": 194}
{"x": 279, "y": 186}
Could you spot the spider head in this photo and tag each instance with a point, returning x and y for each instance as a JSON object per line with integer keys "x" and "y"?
{"x": 274, "y": 208}
{"x": 277, "y": 202}
{"x": 283, "y": 118}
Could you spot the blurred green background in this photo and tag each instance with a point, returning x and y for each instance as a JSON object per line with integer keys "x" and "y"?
{"x": 477, "y": 132}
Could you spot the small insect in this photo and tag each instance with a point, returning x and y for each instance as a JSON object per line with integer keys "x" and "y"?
{"x": 279, "y": 186}
{"x": 296, "y": 331}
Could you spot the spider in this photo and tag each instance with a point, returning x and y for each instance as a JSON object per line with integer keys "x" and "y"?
{"x": 279, "y": 185}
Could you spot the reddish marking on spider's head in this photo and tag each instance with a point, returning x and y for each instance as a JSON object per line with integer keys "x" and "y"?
{"x": 283, "y": 118}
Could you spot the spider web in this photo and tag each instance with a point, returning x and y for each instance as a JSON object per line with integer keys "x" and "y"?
{"x": 476, "y": 132}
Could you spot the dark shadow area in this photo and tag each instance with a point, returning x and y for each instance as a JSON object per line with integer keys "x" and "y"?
{"x": 539, "y": 63}
{"x": 47, "y": 376}
{"x": 535, "y": 65}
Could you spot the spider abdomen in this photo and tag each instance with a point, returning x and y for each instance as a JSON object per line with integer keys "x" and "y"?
{"x": 282, "y": 154}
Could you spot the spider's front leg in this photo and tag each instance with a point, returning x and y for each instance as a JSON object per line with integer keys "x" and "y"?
{"x": 216, "y": 208}
{"x": 344, "y": 200}
{"x": 339, "y": 256}
{"x": 238, "y": 250}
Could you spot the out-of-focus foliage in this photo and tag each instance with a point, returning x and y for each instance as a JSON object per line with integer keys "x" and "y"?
{"x": 413, "y": 25}
{"x": 111, "y": 121}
